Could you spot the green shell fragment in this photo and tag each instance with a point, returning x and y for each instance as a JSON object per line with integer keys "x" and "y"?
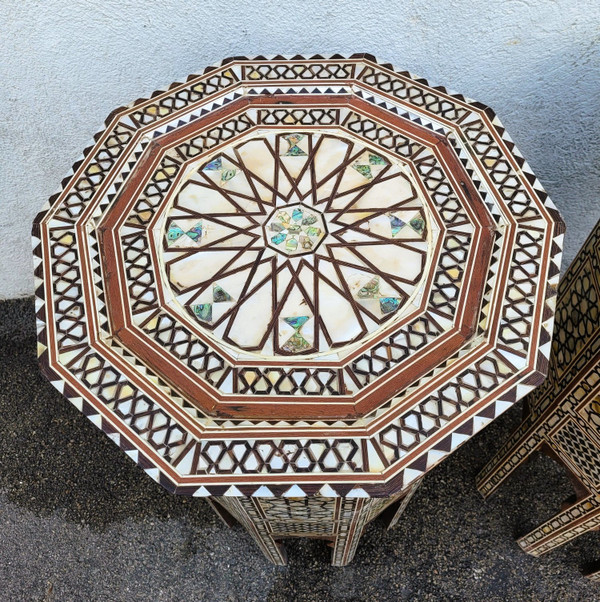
{"x": 174, "y": 233}
{"x": 227, "y": 174}
{"x": 195, "y": 232}
{"x": 296, "y": 344}
{"x": 297, "y": 322}
{"x": 389, "y": 304}
{"x": 418, "y": 225}
{"x": 369, "y": 290}
{"x": 203, "y": 311}
{"x": 294, "y": 150}
{"x": 214, "y": 165}
{"x": 291, "y": 244}
{"x": 364, "y": 170}
{"x": 220, "y": 295}
{"x": 376, "y": 160}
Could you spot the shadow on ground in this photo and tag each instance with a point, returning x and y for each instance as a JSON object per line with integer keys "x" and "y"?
{"x": 79, "y": 521}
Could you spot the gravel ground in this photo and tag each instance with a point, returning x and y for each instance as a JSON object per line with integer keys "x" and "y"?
{"x": 79, "y": 521}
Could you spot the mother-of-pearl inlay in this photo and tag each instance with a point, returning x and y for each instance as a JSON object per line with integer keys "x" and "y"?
{"x": 296, "y": 243}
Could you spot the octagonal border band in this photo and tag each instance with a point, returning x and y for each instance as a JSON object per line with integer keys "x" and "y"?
{"x": 306, "y": 406}
{"x": 538, "y": 354}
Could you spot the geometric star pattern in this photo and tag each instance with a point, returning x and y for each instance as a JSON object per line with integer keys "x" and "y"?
{"x": 307, "y": 226}
{"x": 440, "y": 347}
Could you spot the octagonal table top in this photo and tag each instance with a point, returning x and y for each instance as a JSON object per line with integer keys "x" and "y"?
{"x": 296, "y": 276}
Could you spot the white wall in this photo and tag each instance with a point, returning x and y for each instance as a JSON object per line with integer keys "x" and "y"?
{"x": 65, "y": 64}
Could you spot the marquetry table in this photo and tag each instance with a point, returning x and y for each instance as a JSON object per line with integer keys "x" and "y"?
{"x": 294, "y": 285}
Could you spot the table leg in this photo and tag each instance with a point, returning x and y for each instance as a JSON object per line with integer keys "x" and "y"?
{"x": 340, "y": 521}
{"x": 400, "y": 506}
{"x": 354, "y": 514}
{"x": 220, "y": 511}
{"x": 247, "y": 512}
{"x": 594, "y": 574}
{"x": 580, "y": 517}
{"x": 517, "y": 448}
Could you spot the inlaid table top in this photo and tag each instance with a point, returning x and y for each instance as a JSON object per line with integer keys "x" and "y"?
{"x": 296, "y": 276}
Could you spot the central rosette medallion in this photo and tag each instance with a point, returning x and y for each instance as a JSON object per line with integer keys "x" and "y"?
{"x": 295, "y": 229}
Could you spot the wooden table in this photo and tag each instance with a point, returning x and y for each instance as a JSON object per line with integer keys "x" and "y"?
{"x": 294, "y": 285}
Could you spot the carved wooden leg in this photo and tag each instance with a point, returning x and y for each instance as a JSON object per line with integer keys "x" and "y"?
{"x": 225, "y": 516}
{"x": 399, "y": 507}
{"x": 352, "y": 516}
{"x": 517, "y": 448}
{"x": 579, "y": 518}
{"x": 594, "y": 574}
{"x": 341, "y": 521}
{"x": 246, "y": 512}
